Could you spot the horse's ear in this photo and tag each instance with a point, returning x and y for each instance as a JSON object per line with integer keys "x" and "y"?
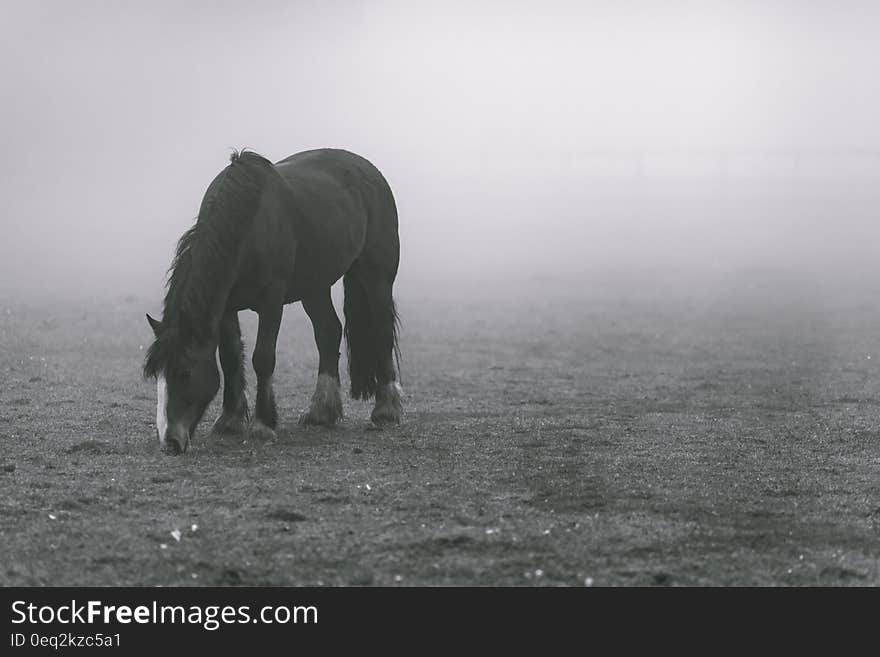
{"x": 155, "y": 324}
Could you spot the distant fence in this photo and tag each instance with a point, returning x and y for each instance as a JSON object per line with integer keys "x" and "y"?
{"x": 662, "y": 164}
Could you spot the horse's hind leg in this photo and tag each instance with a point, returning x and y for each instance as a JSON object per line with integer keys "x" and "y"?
{"x": 326, "y": 406}
{"x": 389, "y": 407}
{"x": 234, "y": 417}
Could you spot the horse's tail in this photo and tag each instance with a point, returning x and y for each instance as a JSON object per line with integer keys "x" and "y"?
{"x": 371, "y": 330}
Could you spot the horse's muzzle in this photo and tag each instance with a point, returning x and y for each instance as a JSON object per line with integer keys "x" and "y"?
{"x": 174, "y": 443}
{"x": 173, "y": 448}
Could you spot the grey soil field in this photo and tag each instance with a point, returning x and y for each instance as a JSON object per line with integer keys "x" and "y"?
{"x": 580, "y": 438}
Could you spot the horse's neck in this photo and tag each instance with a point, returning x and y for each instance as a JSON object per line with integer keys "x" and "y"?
{"x": 222, "y": 287}
{"x": 217, "y": 309}
{"x": 208, "y": 298}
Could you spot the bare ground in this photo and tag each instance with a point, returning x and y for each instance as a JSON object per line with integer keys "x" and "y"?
{"x": 728, "y": 438}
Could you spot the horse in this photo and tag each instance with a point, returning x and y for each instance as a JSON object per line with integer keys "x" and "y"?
{"x": 268, "y": 235}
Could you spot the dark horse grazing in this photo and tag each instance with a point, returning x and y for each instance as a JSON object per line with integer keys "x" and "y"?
{"x": 268, "y": 235}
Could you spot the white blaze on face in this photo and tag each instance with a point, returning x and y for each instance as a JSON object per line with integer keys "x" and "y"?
{"x": 161, "y": 406}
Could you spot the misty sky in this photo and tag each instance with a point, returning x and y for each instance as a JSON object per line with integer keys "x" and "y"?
{"x": 522, "y": 135}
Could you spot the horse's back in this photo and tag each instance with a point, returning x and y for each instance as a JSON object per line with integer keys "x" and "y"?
{"x": 343, "y": 211}
{"x": 348, "y": 170}
{"x": 335, "y": 186}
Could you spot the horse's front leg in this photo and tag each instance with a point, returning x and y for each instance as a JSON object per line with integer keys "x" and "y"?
{"x": 265, "y": 412}
{"x": 234, "y": 418}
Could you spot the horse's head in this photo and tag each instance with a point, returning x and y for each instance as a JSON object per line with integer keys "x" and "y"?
{"x": 187, "y": 380}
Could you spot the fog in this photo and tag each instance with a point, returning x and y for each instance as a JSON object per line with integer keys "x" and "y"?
{"x": 528, "y": 144}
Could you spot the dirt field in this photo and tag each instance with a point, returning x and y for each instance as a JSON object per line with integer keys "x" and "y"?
{"x": 598, "y": 439}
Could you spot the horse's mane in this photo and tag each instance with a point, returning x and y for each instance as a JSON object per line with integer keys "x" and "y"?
{"x": 204, "y": 254}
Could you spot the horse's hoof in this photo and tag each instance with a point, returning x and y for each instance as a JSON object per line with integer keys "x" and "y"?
{"x": 389, "y": 407}
{"x": 326, "y": 407}
{"x": 385, "y": 417}
{"x": 229, "y": 425}
{"x": 260, "y": 432}
{"x": 387, "y": 413}
{"x": 322, "y": 416}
